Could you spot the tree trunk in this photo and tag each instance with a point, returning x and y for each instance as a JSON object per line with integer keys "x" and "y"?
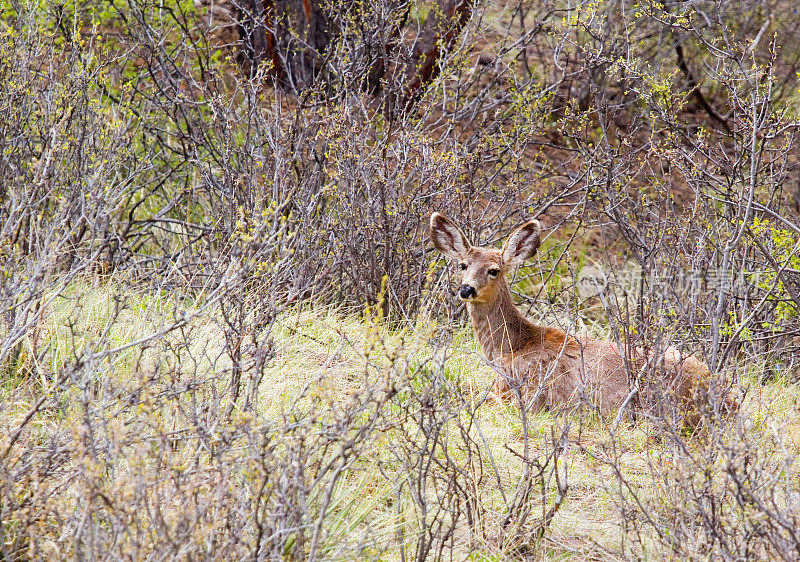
{"x": 293, "y": 38}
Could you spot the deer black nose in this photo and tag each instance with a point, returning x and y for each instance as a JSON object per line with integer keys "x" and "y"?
{"x": 467, "y": 292}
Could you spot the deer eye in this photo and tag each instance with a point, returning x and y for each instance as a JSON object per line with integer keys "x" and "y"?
{"x": 494, "y": 272}
{"x": 463, "y": 266}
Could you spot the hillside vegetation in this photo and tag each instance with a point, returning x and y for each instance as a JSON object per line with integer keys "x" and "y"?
{"x": 224, "y": 332}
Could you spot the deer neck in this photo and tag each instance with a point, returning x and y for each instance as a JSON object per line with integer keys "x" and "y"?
{"x": 500, "y": 328}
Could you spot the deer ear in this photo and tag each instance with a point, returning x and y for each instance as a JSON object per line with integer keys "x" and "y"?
{"x": 448, "y": 238}
{"x": 522, "y": 243}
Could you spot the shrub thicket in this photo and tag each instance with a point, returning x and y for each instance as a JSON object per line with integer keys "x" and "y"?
{"x": 178, "y": 182}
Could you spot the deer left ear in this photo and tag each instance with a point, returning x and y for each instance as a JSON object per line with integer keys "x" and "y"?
{"x": 448, "y": 238}
{"x": 523, "y": 243}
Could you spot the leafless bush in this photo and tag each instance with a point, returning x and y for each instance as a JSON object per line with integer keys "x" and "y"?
{"x": 161, "y": 210}
{"x": 726, "y": 495}
{"x": 693, "y": 202}
{"x": 441, "y": 458}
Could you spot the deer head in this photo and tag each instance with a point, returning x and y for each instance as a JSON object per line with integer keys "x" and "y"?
{"x": 483, "y": 270}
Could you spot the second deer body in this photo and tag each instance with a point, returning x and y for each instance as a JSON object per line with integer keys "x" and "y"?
{"x": 541, "y": 363}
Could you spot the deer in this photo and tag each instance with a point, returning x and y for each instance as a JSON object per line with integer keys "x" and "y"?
{"x": 541, "y": 365}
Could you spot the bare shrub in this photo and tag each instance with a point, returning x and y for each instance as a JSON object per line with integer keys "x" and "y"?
{"x": 168, "y": 221}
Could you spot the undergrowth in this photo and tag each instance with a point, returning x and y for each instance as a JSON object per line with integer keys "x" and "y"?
{"x": 367, "y": 438}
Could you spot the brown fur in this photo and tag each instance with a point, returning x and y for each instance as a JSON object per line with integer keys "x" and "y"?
{"x": 541, "y": 363}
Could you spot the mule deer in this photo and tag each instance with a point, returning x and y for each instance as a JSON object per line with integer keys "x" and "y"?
{"x": 538, "y": 363}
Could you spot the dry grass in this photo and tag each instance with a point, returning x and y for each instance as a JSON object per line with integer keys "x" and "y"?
{"x": 325, "y": 359}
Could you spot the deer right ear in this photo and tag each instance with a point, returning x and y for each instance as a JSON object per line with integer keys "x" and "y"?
{"x": 448, "y": 238}
{"x": 522, "y": 243}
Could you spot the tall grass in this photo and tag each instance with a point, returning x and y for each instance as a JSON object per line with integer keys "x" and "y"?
{"x": 362, "y": 434}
